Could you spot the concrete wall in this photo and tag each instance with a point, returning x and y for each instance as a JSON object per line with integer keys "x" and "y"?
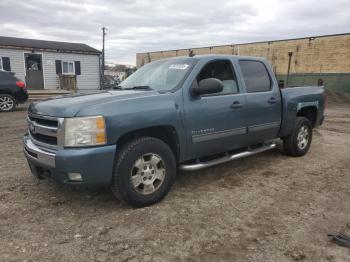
{"x": 89, "y": 64}
{"x": 326, "y": 57}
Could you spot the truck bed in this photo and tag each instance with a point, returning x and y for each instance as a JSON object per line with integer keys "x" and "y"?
{"x": 297, "y": 98}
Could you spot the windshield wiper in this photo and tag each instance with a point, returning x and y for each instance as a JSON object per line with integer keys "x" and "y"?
{"x": 139, "y": 88}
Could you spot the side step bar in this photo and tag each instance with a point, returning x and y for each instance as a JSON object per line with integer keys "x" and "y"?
{"x": 248, "y": 152}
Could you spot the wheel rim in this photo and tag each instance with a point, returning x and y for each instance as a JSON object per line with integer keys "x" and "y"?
{"x": 148, "y": 173}
{"x": 6, "y": 103}
{"x": 303, "y": 137}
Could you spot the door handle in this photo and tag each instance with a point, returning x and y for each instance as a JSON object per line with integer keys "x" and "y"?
{"x": 272, "y": 100}
{"x": 236, "y": 104}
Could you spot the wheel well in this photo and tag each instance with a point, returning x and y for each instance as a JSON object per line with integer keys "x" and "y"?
{"x": 310, "y": 112}
{"x": 167, "y": 134}
{"x": 5, "y": 92}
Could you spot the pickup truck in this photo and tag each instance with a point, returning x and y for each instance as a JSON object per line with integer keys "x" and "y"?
{"x": 182, "y": 113}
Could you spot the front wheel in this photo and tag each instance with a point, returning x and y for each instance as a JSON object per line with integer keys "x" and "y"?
{"x": 7, "y": 103}
{"x": 298, "y": 143}
{"x": 144, "y": 171}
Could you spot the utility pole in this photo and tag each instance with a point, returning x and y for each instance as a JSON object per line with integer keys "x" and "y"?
{"x": 103, "y": 51}
{"x": 288, "y": 72}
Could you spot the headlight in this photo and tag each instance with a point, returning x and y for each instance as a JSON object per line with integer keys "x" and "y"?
{"x": 84, "y": 131}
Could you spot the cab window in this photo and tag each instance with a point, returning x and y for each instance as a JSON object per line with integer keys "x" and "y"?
{"x": 256, "y": 77}
{"x": 223, "y": 71}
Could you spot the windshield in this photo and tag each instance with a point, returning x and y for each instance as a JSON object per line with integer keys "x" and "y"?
{"x": 161, "y": 76}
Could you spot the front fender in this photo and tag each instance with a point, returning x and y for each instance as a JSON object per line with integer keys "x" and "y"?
{"x": 124, "y": 116}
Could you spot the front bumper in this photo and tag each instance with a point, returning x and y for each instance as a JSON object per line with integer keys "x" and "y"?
{"x": 95, "y": 164}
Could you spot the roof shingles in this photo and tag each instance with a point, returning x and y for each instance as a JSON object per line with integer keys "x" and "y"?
{"x": 14, "y": 42}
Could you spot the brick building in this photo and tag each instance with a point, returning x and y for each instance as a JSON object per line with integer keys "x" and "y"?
{"x": 308, "y": 59}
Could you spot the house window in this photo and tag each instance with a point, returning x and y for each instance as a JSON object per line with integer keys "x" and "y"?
{"x": 68, "y": 68}
{"x": 1, "y": 63}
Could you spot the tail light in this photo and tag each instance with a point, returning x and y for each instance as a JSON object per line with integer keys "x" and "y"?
{"x": 20, "y": 84}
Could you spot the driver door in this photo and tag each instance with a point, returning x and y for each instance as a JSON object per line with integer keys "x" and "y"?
{"x": 216, "y": 123}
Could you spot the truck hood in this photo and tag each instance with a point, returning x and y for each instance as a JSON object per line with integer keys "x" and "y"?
{"x": 70, "y": 105}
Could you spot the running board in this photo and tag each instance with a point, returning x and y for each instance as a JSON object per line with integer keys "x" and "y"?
{"x": 248, "y": 152}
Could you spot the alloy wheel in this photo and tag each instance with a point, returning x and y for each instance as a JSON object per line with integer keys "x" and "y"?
{"x": 303, "y": 137}
{"x": 148, "y": 173}
{"x": 6, "y": 103}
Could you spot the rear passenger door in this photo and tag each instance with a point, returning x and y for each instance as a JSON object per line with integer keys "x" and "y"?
{"x": 263, "y": 101}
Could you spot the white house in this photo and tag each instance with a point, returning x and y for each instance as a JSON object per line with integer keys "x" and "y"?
{"x": 41, "y": 64}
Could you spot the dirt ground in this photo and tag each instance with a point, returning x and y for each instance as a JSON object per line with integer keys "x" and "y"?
{"x": 268, "y": 207}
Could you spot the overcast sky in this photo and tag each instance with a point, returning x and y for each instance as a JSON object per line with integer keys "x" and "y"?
{"x": 152, "y": 25}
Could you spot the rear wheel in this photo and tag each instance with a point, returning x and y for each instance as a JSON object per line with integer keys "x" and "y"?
{"x": 298, "y": 143}
{"x": 144, "y": 171}
{"x": 7, "y": 103}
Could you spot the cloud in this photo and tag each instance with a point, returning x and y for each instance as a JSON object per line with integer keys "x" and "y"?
{"x": 151, "y": 25}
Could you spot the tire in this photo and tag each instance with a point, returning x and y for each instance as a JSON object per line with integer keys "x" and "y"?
{"x": 7, "y": 103}
{"x": 141, "y": 164}
{"x": 298, "y": 143}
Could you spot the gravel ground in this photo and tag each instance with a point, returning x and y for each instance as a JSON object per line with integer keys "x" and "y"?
{"x": 268, "y": 207}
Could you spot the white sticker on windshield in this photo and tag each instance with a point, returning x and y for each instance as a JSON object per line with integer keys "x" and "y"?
{"x": 179, "y": 66}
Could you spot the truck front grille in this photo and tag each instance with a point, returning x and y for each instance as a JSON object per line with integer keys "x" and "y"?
{"x": 51, "y": 122}
{"x": 43, "y": 130}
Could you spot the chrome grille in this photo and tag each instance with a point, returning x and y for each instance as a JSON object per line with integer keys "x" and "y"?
{"x": 44, "y": 130}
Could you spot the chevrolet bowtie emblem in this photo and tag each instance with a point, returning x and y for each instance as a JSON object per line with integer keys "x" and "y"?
{"x": 32, "y": 128}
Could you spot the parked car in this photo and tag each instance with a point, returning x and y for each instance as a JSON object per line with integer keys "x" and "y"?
{"x": 12, "y": 91}
{"x": 110, "y": 82}
{"x": 187, "y": 113}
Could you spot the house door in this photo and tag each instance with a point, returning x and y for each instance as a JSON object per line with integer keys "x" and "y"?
{"x": 34, "y": 71}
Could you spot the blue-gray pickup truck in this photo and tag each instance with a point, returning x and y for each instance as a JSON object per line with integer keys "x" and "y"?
{"x": 182, "y": 113}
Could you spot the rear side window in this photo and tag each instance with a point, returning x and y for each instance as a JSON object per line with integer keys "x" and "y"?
{"x": 6, "y": 76}
{"x": 256, "y": 77}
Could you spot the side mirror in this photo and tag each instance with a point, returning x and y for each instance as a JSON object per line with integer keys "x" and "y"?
{"x": 281, "y": 84}
{"x": 208, "y": 86}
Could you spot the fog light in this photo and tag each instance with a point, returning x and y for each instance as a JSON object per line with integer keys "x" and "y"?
{"x": 76, "y": 177}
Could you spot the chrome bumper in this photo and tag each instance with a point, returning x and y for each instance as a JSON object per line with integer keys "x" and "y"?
{"x": 37, "y": 154}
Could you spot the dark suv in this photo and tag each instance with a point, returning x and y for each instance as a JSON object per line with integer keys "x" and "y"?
{"x": 12, "y": 91}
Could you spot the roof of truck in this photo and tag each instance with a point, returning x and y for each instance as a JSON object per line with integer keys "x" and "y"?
{"x": 231, "y": 56}
{"x": 218, "y": 56}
